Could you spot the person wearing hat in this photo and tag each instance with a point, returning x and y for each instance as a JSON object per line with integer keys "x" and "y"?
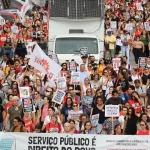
{"x": 110, "y": 39}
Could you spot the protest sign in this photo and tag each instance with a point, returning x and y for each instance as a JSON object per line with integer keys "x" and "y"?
{"x": 72, "y": 66}
{"x": 14, "y": 29}
{"x": 74, "y": 115}
{"x": 87, "y": 101}
{"x": 129, "y": 27}
{"x": 24, "y": 92}
{"x": 54, "y": 57}
{"x": 95, "y": 119}
{"x": 142, "y": 62}
{"x": 24, "y": 8}
{"x": 75, "y": 77}
{"x": 58, "y": 96}
{"x": 112, "y": 111}
{"x": 84, "y": 51}
{"x": 30, "y": 48}
{"x": 40, "y": 141}
{"x": 61, "y": 83}
{"x": 2, "y": 21}
{"x": 113, "y": 25}
{"x": 27, "y": 104}
{"x": 116, "y": 63}
{"x": 139, "y": 6}
{"x": 118, "y": 42}
{"x": 147, "y": 26}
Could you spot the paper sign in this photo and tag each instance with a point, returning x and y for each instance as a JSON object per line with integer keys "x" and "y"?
{"x": 139, "y": 6}
{"x": 142, "y": 62}
{"x": 72, "y": 66}
{"x": 61, "y": 83}
{"x": 58, "y": 96}
{"x": 75, "y": 77}
{"x": 116, "y": 63}
{"x": 24, "y": 92}
{"x": 118, "y": 42}
{"x": 112, "y": 111}
{"x": 95, "y": 119}
{"x": 27, "y": 104}
{"x": 14, "y": 29}
{"x": 84, "y": 51}
{"x": 87, "y": 101}
{"x": 54, "y": 57}
{"x": 146, "y": 26}
{"x": 129, "y": 27}
{"x": 113, "y": 25}
{"x": 75, "y": 115}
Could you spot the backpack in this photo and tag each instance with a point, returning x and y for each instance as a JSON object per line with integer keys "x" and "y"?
{"x": 21, "y": 128}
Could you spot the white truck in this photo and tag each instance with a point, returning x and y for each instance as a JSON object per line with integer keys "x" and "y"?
{"x": 67, "y": 45}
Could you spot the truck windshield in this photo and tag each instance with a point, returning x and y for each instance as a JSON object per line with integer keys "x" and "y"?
{"x": 71, "y": 45}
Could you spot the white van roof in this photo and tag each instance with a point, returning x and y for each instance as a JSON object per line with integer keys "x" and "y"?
{"x": 76, "y": 35}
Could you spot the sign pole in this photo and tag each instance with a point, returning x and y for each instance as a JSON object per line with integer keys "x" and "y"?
{"x": 112, "y": 119}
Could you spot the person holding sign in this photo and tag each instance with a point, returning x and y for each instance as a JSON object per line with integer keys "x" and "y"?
{"x": 144, "y": 129}
{"x": 99, "y": 108}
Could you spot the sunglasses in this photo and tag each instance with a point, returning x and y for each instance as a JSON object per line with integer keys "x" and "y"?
{"x": 89, "y": 91}
{"x": 48, "y": 91}
{"x": 75, "y": 105}
{"x": 70, "y": 89}
{"x": 142, "y": 124}
{"x": 36, "y": 94}
{"x": 89, "y": 66}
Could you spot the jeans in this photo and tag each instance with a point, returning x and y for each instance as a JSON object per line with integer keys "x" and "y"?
{"x": 10, "y": 52}
{"x": 125, "y": 52}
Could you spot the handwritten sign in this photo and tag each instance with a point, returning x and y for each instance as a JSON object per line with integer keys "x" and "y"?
{"x": 112, "y": 111}
{"x": 75, "y": 115}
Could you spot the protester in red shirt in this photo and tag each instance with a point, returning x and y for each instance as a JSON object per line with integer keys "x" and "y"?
{"x": 54, "y": 126}
{"x": 136, "y": 102}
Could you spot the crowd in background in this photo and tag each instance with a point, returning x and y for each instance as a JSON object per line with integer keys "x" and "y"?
{"x": 99, "y": 85}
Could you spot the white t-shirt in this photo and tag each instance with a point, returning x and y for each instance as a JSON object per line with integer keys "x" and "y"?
{"x": 48, "y": 120}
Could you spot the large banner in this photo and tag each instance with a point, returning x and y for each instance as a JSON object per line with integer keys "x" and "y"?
{"x": 53, "y": 141}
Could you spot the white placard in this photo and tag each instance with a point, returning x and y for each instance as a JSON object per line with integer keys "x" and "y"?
{"x": 74, "y": 115}
{"x": 58, "y": 96}
{"x": 15, "y": 29}
{"x": 146, "y": 26}
{"x": 129, "y": 27}
{"x": 61, "y": 83}
{"x": 139, "y": 6}
{"x": 75, "y": 77}
{"x": 116, "y": 63}
{"x": 113, "y": 25}
{"x": 24, "y": 92}
{"x": 118, "y": 42}
{"x": 112, "y": 111}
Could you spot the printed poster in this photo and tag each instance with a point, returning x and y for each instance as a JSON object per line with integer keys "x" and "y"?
{"x": 61, "y": 83}
{"x": 95, "y": 119}
{"x": 27, "y": 104}
{"x": 58, "y": 96}
{"x": 116, "y": 63}
{"x": 142, "y": 62}
{"x": 146, "y": 26}
{"x": 113, "y": 25}
{"x": 72, "y": 66}
{"x": 24, "y": 92}
{"x": 75, "y": 77}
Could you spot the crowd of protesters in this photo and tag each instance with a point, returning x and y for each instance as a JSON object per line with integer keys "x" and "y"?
{"x": 99, "y": 85}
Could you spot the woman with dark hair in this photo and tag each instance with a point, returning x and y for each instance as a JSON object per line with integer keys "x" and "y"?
{"x": 88, "y": 128}
{"x": 80, "y": 125}
{"x": 95, "y": 83}
{"x": 64, "y": 69}
{"x": 101, "y": 66}
{"x": 26, "y": 81}
{"x": 117, "y": 130}
{"x": 67, "y": 107}
{"x": 136, "y": 102}
{"x": 99, "y": 108}
{"x": 14, "y": 85}
{"x": 73, "y": 127}
{"x": 144, "y": 129}
{"x": 131, "y": 121}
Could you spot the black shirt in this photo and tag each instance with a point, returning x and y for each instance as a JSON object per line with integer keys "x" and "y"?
{"x": 112, "y": 101}
{"x": 1, "y": 113}
{"x": 124, "y": 84}
{"x": 100, "y": 112}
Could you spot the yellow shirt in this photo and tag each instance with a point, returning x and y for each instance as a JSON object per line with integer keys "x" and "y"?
{"x": 100, "y": 70}
{"x": 111, "y": 38}
{"x": 6, "y": 70}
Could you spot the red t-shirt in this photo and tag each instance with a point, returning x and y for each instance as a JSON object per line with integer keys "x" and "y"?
{"x": 2, "y": 40}
{"x": 76, "y": 100}
{"x": 7, "y": 105}
{"x": 51, "y": 127}
{"x": 17, "y": 70}
{"x": 28, "y": 124}
{"x": 140, "y": 132}
{"x": 136, "y": 105}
